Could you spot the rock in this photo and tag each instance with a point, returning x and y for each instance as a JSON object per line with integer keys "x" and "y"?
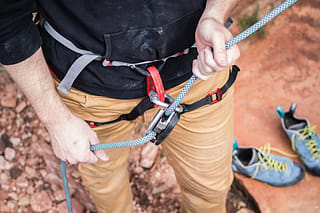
{"x": 4, "y": 178}
{"x": 54, "y": 179}
{"x": 41, "y": 201}
{"x": 83, "y": 197}
{"x": 30, "y": 190}
{"x": 11, "y": 204}
{"x": 22, "y": 182}
{"x": 4, "y": 142}
{"x": 76, "y": 206}
{"x": 15, "y": 141}
{"x": 5, "y": 187}
{"x": 59, "y": 195}
{"x": 8, "y": 101}
{"x": 22, "y": 162}
{"x": 21, "y": 106}
{"x": 4, "y": 164}
{"x": 15, "y": 172}
{"x": 4, "y": 208}
{"x": 31, "y": 172}
{"x": 13, "y": 196}
{"x": 245, "y": 210}
{"x": 24, "y": 201}
{"x": 43, "y": 173}
{"x": 9, "y": 153}
{"x": 138, "y": 170}
{"x": 158, "y": 189}
{"x": 148, "y": 155}
{"x": 168, "y": 177}
{"x": 3, "y": 197}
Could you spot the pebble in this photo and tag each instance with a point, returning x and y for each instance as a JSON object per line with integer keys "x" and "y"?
{"x": 8, "y": 101}
{"x": 21, "y": 106}
{"x": 148, "y": 155}
{"x": 15, "y": 172}
{"x": 3, "y": 178}
{"x": 24, "y": 201}
{"x": 13, "y": 196}
{"x": 31, "y": 172}
{"x": 22, "y": 182}
{"x": 5, "y": 187}
{"x": 5, "y": 164}
{"x": 138, "y": 170}
{"x": 11, "y": 204}
{"x": 59, "y": 195}
{"x": 9, "y": 153}
{"x": 76, "y": 206}
{"x": 15, "y": 141}
{"x": 41, "y": 201}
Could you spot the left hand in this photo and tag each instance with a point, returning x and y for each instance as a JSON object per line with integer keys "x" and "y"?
{"x": 212, "y": 35}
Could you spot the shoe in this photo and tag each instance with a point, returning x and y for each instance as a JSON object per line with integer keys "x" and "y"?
{"x": 259, "y": 164}
{"x": 304, "y": 138}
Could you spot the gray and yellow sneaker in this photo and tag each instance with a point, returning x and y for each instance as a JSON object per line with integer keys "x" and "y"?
{"x": 304, "y": 138}
{"x": 259, "y": 164}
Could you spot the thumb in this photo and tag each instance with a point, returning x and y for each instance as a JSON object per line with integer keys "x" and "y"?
{"x": 99, "y": 153}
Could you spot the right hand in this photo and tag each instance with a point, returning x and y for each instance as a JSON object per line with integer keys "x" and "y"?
{"x": 71, "y": 140}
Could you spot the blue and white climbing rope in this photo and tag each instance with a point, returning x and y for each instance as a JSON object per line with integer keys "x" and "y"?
{"x": 177, "y": 101}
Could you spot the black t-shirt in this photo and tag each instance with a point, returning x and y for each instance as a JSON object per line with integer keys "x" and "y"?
{"x": 129, "y": 31}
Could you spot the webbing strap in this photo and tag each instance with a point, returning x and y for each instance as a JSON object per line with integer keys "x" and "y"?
{"x": 78, "y": 65}
{"x": 74, "y": 71}
{"x": 64, "y": 41}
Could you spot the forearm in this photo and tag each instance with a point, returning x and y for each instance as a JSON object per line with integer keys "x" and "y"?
{"x": 219, "y": 9}
{"x": 34, "y": 79}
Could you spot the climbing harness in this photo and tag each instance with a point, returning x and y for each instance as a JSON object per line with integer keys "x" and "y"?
{"x": 164, "y": 120}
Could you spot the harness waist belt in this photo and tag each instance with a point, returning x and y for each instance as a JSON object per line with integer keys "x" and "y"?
{"x": 87, "y": 57}
{"x": 146, "y": 104}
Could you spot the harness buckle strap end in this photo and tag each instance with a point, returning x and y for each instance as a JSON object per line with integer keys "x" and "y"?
{"x": 218, "y": 94}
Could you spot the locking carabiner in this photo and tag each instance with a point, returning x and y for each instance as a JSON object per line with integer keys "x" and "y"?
{"x": 161, "y": 123}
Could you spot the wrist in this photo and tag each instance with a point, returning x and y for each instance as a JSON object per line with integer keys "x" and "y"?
{"x": 218, "y": 9}
{"x": 53, "y": 111}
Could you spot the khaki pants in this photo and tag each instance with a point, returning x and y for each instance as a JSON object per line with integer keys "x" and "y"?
{"x": 198, "y": 149}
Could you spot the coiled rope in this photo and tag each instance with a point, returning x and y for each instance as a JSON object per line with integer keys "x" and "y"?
{"x": 177, "y": 101}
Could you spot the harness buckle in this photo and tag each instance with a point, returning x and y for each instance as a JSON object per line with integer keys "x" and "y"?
{"x": 219, "y": 95}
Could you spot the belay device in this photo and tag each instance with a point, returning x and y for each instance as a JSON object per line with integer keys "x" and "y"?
{"x": 161, "y": 123}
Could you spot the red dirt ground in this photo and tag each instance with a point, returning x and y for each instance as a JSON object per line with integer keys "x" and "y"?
{"x": 278, "y": 70}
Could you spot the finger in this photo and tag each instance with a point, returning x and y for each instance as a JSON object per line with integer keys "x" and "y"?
{"x": 219, "y": 49}
{"x": 196, "y": 71}
{"x": 206, "y": 63}
{"x": 71, "y": 160}
{"x": 208, "y": 58}
{"x": 233, "y": 54}
{"x": 99, "y": 153}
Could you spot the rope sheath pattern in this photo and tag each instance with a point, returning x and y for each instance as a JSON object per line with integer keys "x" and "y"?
{"x": 177, "y": 101}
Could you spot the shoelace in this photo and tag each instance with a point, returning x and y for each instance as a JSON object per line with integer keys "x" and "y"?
{"x": 269, "y": 162}
{"x": 306, "y": 133}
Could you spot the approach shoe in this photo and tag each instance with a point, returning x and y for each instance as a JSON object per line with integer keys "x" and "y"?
{"x": 261, "y": 165}
{"x": 304, "y": 138}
